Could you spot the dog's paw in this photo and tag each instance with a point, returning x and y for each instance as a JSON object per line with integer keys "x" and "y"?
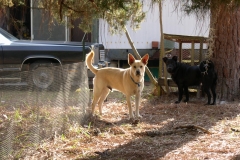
{"x": 177, "y": 102}
{"x": 91, "y": 114}
{"x": 186, "y": 100}
{"x": 131, "y": 119}
{"x": 138, "y": 116}
{"x": 131, "y": 116}
{"x": 135, "y": 122}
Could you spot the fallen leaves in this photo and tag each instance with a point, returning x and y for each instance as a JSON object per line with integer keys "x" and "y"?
{"x": 166, "y": 131}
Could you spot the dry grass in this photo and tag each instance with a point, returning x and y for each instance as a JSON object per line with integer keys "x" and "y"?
{"x": 162, "y": 133}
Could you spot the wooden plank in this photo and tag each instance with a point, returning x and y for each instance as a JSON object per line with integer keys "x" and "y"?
{"x": 192, "y": 54}
{"x": 161, "y": 82}
{"x": 180, "y": 52}
{"x": 171, "y": 83}
{"x": 184, "y": 38}
{"x": 201, "y": 52}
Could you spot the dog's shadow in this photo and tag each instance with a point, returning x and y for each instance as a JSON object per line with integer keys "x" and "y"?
{"x": 169, "y": 125}
{"x": 104, "y": 124}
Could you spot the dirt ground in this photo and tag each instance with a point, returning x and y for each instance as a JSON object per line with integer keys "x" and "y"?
{"x": 167, "y": 131}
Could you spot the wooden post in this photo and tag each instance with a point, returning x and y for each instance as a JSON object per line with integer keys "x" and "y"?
{"x": 180, "y": 52}
{"x": 201, "y": 51}
{"x": 192, "y": 54}
{"x": 162, "y": 53}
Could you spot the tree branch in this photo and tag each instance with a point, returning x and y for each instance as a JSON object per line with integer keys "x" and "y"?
{"x": 60, "y": 10}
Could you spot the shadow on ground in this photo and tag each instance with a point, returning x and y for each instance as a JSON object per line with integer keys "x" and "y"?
{"x": 168, "y": 127}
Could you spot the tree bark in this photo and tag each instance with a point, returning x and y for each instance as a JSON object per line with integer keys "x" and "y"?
{"x": 226, "y": 54}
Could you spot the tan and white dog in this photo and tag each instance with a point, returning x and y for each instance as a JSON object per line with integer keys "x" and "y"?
{"x": 129, "y": 81}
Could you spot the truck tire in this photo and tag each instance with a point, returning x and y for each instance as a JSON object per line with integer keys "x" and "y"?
{"x": 42, "y": 74}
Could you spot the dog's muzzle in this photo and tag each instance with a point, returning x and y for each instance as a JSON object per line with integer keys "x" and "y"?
{"x": 138, "y": 73}
{"x": 206, "y": 66}
{"x": 170, "y": 69}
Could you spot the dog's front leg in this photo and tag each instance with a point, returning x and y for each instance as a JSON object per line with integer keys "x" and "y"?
{"x": 186, "y": 93}
{"x": 213, "y": 89}
{"x": 180, "y": 93}
{"x": 206, "y": 90}
{"x": 130, "y": 107}
{"x": 137, "y": 102}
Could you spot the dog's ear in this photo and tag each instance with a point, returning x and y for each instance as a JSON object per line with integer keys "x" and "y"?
{"x": 131, "y": 59}
{"x": 174, "y": 58}
{"x": 165, "y": 59}
{"x": 145, "y": 59}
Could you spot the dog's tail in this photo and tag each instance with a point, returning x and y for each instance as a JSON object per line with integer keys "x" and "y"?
{"x": 89, "y": 62}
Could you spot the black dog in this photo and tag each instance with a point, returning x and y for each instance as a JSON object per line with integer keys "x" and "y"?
{"x": 209, "y": 79}
{"x": 183, "y": 75}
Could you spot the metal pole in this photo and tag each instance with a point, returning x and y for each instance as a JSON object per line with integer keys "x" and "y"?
{"x": 67, "y": 33}
{"x": 31, "y": 17}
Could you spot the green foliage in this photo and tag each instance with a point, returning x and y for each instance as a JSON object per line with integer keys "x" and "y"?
{"x": 196, "y": 6}
{"x": 6, "y": 3}
{"x": 17, "y": 115}
{"x": 203, "y": 6}
{"x": 115, "y": 12}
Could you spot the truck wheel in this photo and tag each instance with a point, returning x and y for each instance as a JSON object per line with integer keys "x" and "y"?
{"x": 42, "y": 75}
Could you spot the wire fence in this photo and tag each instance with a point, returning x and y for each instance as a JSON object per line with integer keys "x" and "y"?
{"x": 31, "y": 111}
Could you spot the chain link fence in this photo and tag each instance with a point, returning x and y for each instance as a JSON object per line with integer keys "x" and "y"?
{"x": 32, "y": 111}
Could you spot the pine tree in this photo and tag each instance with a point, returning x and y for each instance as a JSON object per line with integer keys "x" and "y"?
{"x": 224, "y": 43}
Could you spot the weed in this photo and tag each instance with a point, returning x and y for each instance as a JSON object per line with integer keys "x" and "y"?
{"x": 17, "y": 116}
{"x": 86, "y": 133}
{"x": 63, "y": 137}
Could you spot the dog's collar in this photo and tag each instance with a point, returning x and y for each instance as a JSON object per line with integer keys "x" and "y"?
{"x": 206, "y": 69}
{"x": 204, "y": 73}
{"x": 138, "y": 84}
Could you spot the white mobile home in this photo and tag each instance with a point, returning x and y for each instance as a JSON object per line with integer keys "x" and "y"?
{"x": 174, "y": 22}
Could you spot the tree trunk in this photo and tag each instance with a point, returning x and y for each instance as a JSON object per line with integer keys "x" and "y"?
{"x": 226, "y": 52}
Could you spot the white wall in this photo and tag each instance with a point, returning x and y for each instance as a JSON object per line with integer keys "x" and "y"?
{"x": 177, "y": 22}
{"x": 174, "y": 22}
